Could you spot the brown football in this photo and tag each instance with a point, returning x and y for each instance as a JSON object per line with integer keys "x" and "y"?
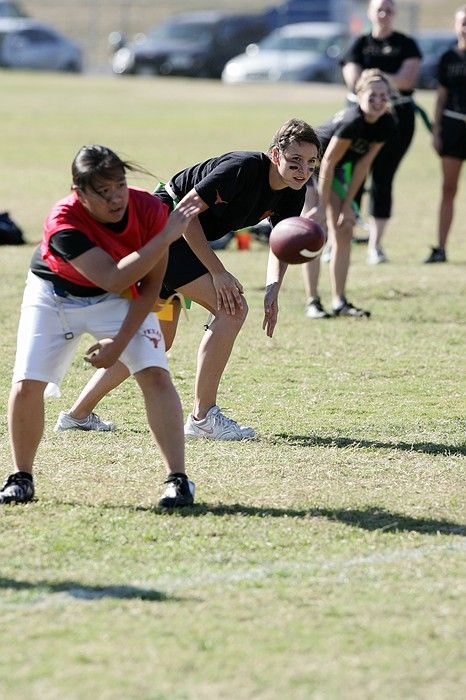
{"x": 297, "y": 240}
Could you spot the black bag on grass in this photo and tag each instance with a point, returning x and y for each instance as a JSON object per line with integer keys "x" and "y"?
{"x": 10, "y": 233}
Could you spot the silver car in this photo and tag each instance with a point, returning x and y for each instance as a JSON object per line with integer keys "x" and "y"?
{"x": 25, "y": 43}
{"x": 302, "y": 51}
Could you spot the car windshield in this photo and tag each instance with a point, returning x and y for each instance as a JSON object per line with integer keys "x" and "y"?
{"x": 184, "y": 31}
{"x": 295, "y": 43}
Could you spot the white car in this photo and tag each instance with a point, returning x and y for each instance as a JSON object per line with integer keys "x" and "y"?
{"x": 301, "y": 51}
{"x": 25, "y": 43}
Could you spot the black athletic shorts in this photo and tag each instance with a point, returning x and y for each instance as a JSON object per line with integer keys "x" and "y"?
{"x": 183, "y": 266}
{"x": 453, "y": 132}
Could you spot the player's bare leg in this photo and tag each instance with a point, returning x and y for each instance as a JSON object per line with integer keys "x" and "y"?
{"x": 376, "y": 232}
{"x": 216, "y": 345}
{"x": 26, "y": 422}
{"x": 164, "y": 415}
{"x": 451, "y": 168}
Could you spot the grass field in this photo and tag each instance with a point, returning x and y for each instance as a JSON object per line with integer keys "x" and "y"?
{"x": 326, "y": 559}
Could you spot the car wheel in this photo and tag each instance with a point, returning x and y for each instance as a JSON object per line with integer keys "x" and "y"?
{"x": 144, "y": 70}
{"x": 72, "y": 67}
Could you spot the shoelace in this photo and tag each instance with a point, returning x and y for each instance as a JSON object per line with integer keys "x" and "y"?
{"x": 94, "y": 420}
{"x": 14, "y": 479}
{"x": 176, "y": 480}
{"x": 223, "y": 420}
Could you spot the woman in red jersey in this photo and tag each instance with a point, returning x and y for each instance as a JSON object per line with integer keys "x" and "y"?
{"x": 100, "y": 240}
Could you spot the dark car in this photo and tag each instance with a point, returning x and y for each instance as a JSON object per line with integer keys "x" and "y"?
{"x": 195, "y": 44}
{"x": 433, "y": 43}
{"x": 25, "y": 43}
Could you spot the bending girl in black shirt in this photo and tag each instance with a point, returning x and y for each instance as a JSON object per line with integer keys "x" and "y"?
{"x": 350, "y": 141}
{"x": 233, "y": 191}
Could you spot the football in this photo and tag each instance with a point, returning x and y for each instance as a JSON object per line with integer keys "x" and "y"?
{"x": 297, "y": 240}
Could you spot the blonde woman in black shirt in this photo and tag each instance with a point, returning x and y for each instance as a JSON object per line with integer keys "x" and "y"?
{"x": 399, "y": 57}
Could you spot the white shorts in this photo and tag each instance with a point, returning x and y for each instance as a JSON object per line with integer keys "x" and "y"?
{"x": 50, "y": 328}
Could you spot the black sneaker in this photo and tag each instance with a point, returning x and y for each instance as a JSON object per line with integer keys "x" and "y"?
{"x": 179, "y": 492}
{"x": 18, "y": 488}
{"x": 437, "y": 256}
{"x": 314, "y": 309}
{"x": 347, "y": 309}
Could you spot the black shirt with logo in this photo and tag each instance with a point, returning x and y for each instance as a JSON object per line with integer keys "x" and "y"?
{"x": 386, "y": 54}
{"x": 236, "y": 188}
{"x": 350, "y": 124}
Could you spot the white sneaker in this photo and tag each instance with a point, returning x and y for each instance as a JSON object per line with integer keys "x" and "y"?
{"x": 216, "y": 426}
{"x": 326, "y": 254}
{"x": 92, "y": 422}
{"x": 314, "y": 309}
{"x": 376, "y": 256}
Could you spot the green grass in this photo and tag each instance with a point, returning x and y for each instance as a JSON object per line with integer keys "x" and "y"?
{"x": 324, "y": 560}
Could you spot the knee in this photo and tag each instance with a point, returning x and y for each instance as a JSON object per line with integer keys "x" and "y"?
{"x": 153, "y": 379}
{"x": 243, "y": 312}
{"x": 28, "y": 390}
{"x": 343, "y": 235}
{"x": 236, "y": 320}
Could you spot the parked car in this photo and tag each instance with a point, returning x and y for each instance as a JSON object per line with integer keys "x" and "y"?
{"x": 11, "y": 9}
{"x": 433, "y": 43}
{"x": 25, "y": 43}
{"x": 195, "y": 44}
{"x": 301, "y": 51}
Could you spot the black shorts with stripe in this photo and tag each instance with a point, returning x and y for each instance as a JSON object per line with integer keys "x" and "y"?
{"x": 183, "y": 266}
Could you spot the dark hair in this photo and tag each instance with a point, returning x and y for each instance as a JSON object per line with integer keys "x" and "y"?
{"x": 94, "y": 161}
{"x": 294, "y": 130}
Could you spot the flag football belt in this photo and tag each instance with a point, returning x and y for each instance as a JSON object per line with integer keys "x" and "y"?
{"x": 164, "y": 311}
{"x": 407, "y": 99}
{"x": 168, "y": 189}
{"x": 341, "y": 188}
{"x": 454, "y": 115}
{"x": 164, "y": 308}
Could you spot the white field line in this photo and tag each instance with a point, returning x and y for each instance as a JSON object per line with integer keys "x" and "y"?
{"x": 316, "y": 570}
{"x": 332, "y": 569}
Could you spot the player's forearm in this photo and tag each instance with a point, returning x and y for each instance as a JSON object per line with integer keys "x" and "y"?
{"x": 351, "y": 73}
{"x": 326, "y": 174}
{"x": 359, "y": 175}
{"x": 137, "y": 265}
{"x": 275, "y": 271}
{"x": 439, "y": 107}
{"x": 138, "y": 310}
